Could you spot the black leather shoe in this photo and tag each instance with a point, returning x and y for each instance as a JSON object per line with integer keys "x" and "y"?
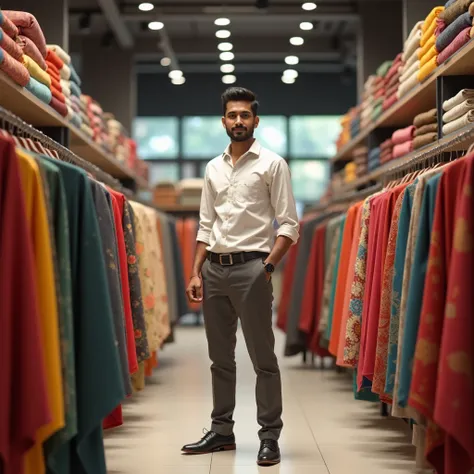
{"x": 210, "y": 443}
{"x": 269, "y": 453}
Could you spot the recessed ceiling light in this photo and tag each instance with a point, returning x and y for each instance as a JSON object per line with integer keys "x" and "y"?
{"x": 175, "y": 74}
{"x": 227, "y": 68}
{"x": 225, "y": 46}
{"x": 292, "y": 60}
{"x": 308, "y": 6}
{"x": 165, "y": 61}
{"x": 178, "y": 81}
{"x": 146, "y": 7}
{"x": 222, "y": 22}
{"x": 290, "y": 73}
{"x": 296, "y": 41}
{"x": 228, "y": 79}
{"x": 306, "y": 25}
{"x": 223, "y": 34}
{"x": 227, "y": 56}
{"x": 288, "y": 79}
{"x": 155, "y": 25}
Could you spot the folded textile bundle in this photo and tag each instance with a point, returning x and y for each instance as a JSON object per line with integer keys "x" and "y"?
{"x": 9, "y": 45}
{"x": 39, "y": 90}
{"x": 13, "y": 68}
{"x": 411, "y": 59}
{"x": 426, "y": 118}
{"x": 449, "y": 34}
{"x": 458, "y": 111}
{"x": 430, "y": 24}
{"x": 30, "y": 49}
{"x": 429, "y": 128}
{"x": 35, "y": 71}
{"x": 386, "y": 150}
{"x": 373, "y": 161}
{"x": 426, "y": 129}
{"x": 427, "y": 69}
{"x": 403, "y": 135}
{"x": 65, "y": 58}
{"x": 402, "y": 149}
{"x": 408, "y": 85}
{"x": 350, "y": 172}
{"x": 413, "y": 42}
{"x": 455, "y": 10}
{"x": 7, "y": 26}
{"x": 28, "y": 26}
{"x": 460, "y": 40}
{"x": 460, "y": 122}
{"x": 424, "y": 139}
{"x": 459, "y": 98}
{"x": 59, "y": 106}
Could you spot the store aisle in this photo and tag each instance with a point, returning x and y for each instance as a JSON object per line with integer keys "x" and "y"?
{"x": 326, "y": 430}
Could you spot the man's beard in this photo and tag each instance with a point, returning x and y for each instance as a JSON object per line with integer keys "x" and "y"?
{"x": 241, "y": 134}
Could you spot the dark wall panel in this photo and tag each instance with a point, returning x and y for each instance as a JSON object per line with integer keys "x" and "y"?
{"x": 312, "y": 94}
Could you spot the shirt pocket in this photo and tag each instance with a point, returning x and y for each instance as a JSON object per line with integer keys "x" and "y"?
{"x": 250, "y": 189}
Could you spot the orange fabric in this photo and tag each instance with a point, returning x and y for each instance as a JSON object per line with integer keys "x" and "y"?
{"x": 56, "y": 84}
{"x": 53, "y": 58}
{"x": 343, "y": 270}
{"x": 58, "y": 95}
{"x": 52, "y": 70}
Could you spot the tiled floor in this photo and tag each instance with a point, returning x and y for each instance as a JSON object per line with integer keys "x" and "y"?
{"x": 326, "y": 430}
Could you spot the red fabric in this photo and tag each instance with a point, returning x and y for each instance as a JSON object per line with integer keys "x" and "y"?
{"x": 52, "y": 70}
{"x": 13, "y": 69}
{"x": 59, "y": 96}
{"x": 430, "y": 332}
{"x": 53, "y": 58}
{"x": 386, "y": 145}
{"x": 391, "y": 100}
{"x": 397, "y": 62}
{"x": 9, "y": 45}
{"x": 7, "y": 26}
{"x": 458, "y": 42}
{"x": 403, "y": 135}
{"x": 402, "y": 149}
{"x": 60, "y": 107}
{"x": 30, "y": 49}
{"x": 386, "y": 156}
{"x": 56, "y": 84}
{"x": 23, "y": 398}
{"x": 28, "y": 26}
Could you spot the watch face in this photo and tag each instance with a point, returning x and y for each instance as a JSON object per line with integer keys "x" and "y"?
{"x": 269, "y": 268}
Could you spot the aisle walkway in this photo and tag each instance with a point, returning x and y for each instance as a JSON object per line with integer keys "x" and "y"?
{"x": 326, "y": 430}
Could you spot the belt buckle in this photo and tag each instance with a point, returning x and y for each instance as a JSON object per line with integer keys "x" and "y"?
{"x": 224, "y": 255}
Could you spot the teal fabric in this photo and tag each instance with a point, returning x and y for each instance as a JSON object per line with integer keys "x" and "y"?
{"x": 74, "y": 76}
{"x": 76, "y": 120}
{"x": 365, "y": 393}
{"x": 416, "y": 288}
{"x": 400, "y": 253}
{"x": 75, "y": 89}
{"x": 39, "y": 90}
{"x": 99, "y": 383}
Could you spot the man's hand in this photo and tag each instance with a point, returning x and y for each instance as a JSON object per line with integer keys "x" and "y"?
{"x": 194, "y": 291}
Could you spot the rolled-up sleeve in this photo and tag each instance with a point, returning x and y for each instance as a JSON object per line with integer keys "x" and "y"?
{"x": 207, "y": 212}
{"x": 283, "y": 201}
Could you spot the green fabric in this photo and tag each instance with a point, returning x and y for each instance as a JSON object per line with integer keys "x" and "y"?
{"x": 383, "y": 69}
{"x": 99, "y": 381}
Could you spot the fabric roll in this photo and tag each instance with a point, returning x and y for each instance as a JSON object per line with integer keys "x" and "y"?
{"x": 53, "y": 58}
{"x": 429, "y": 25}
{"x": 65, "y": 87}
{"x": 408, "y": 85}
{"x": 30, "y": 49}
{"x": 458, "y": 111}
{"x": 59, "y": 106}
{"x": 440, "y": 27}
{"x": 28, "y": 26}
{"x": 412, "y": 59}
{"x": 471, "y": 33}
{"x": 449, "y": 34}
{"x": 394, "y": 68}
{"x": 7, "y": 26}
{"x": 75, "y": 90}
{"x": 386, "y": 156}
{"x": 392, "y": 90}
{"x": 58, "y": 95}
{"x": 403, "y": 135}
{"x": 10, "y": 46}
{"x": 390, "y": 101}
{"x": 65, "y": 72}
{"x": 461, "y": 122}
{"x": 429, "y": 128}
{"x": 432, "y": 53}
{"x": 455, "y": 10}
{"x": 423, "y": 140}
{"x": 410, "y": 71}
{"x": 402, "y": 149}
{"x": 427, "y": 69}
{"x": 383, "y": 69}
{"x": 395, "y": 80}
{"x": 427, "y": 118}
{"x": 52, "y": 70}
{"x": 460, "y": 40}
{"x": 35, "y": 70}
{"x": 459, "y": 98}
{"x": 65, "y": 58}
{"x": 39, "y": 90}
{"x": 74, "y": 76}
{"x": 412, "y": 46}
{"x": 386, "y": 144}
{"x": 449, "y": 3}
{"x": 56, "y": 84}
{"x": 428, "y": 45}
{"x": 13, "y": 69}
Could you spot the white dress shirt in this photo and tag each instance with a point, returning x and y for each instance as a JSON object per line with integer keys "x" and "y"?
{"x": 240, "y": 203}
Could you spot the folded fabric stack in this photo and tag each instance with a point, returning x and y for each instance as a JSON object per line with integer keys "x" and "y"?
{"x": 373, "y": 161}
{"x": 458, "y": 111}
{"x": 359, "y": 157}
{"x": 350, "y": 172}
{"x": 426, "y": 129}
{"x": 355, "y": 126}
{"x": 386, "y": 151}
{"x": 429, "y": 44}
{"x": 345, "y": 134}
{"x": 165, "y": 193}
{"x": 367, "y": 105}
{"x": 95, "y": 115}
{"x": 392, "y": 82}
{"x": 403, "y": 141}
{"x": 85, "y": 120}
{"x": 457, "y": 22}
{"x": 190, "y": 191}
{"x": 410, "y": 58}
{"x": 134, "y": 163}
{"x": 117, "y": 138}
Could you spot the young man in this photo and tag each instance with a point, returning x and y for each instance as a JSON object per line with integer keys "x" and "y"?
{"x": 245, "y": 190}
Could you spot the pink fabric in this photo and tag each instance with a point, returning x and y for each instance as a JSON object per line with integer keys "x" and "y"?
{"x": 403, "y": 135}
{"x": 28, "y": 26}
{"x": 10, "y": 46}
{"x": 31, "y": 50}
{"x": 458, "y": 42}
{"x": 386, "y": 156}
{"x": 14, "y": 69}
{"x": 7, "y": 26}
{"x": 394, "y": 69}
{"x": 391, "y": 100}
{"x": 440, "y": 26}
{"x": 402, "y": 149}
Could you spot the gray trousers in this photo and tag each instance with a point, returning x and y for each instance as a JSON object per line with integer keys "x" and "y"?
{"x": 232, "y": 292}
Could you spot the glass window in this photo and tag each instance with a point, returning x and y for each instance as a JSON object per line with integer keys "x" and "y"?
{"x": 156, "y": 137}
{"x": 203, "y": 137}
{"x": 163, "y": 172}
{"x": 314, "y": 136}
{"x": 309, "y": 179}
{"x": 272, "y": 133}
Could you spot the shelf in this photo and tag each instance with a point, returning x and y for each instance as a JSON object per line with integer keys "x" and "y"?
{"x": 32, "y": 110}
{"x": 177, "y": 208}
{"x": 420, "y": 99}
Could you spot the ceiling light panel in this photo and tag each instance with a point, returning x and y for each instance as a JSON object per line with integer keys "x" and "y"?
{"x": 229, "y": 79}
{"x": 222, "y": 22}
{"x": 227, "y": 56}
{"x": 155, "y": 25}
{"x": 227, "y": 68}
{"x": 225, "y": 46}
{"x": 296, "y": 41}
{"x": 146, "y": 7}
{"x": 309, "y": 6}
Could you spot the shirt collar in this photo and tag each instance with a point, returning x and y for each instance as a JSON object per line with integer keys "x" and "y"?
{"x": 254, "y": 150}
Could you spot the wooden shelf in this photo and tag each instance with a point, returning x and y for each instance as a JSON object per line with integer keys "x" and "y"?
{"x": 177, "y": 208}
{"x": 420, "y": 99}
{"x": 32, "y": 110}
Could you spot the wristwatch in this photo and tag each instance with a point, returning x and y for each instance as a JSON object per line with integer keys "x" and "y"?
{"x": 269, "y": 268}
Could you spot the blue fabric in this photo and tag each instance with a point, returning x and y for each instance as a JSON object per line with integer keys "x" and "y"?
{"x": 75, "y": 89}
{"x": 39, "y": 90}
{"x": 365, "y": 393}
{"x": 373, "y": 160}
{"x": 449, "y": 3}
{"x": 449, "y": 34}
{"x": 416, "y": 288}
{"x": 397, "y": 283}
{"x": 74, "y": 76}
{"x": 76, "y": 120}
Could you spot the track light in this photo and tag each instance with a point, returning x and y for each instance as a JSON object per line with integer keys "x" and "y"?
{"x": 146, "y": 7}
{"x": 290, "y": 73}
{"x": 227, "y": 68}
{"x": 178, "y": 81}
{"x": 306, "y": 25}
{"x": 223, "y": 34}
{"x": 155, "y": 25}
{"x": 292, "y": 60}
{"x": 308, "y": 6}
{"x": 296, "y": 41}
{"x": 175, "y": 74}
{"x": 225, "y": 46}
{"x": 165, "y": 62}
{"x": 288, "y": 79}
{"x": 227, "y": 56}
{"x": 229, "y": 79}
{"x": 222, "y": 22}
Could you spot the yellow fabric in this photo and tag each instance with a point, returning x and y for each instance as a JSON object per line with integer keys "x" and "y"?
{"x": 45, "y": 281}
{"x": 431, "y": 18}
{"x": 36, "y": 71}
{"x": 471, "y": 33}
{"x": 427, "y": 69}
{"x": 428, "y": 45}
{"x": 432, "y": 53}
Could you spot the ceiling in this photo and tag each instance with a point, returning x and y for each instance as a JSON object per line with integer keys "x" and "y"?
{"x": 260, "y": 36}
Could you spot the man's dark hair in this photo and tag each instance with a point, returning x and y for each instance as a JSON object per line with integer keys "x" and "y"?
{"x": 240, "y": 94}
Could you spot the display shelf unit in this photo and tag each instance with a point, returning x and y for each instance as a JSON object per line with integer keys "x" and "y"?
{"x": 32, "y": 110}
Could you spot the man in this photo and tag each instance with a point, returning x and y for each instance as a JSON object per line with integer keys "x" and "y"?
{"x": 245, "y": 190}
